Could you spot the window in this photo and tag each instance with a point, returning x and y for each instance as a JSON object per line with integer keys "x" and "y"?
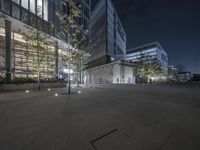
{"x": 39, "y": 8}
{"x": 2, "y": 52}
{"x": 16, "y": 1}
{"x": 32, "y": 6}
{"x": 46, "y": 10}
{"x": 24, "y": 3}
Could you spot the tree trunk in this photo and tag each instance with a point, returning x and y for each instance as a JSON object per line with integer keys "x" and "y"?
{"x": 39, "y": 87}
{"x": 69, "y": 82}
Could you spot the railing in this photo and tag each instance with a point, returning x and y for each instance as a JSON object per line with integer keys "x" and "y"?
{"x": 16, "y": 11}
{"x": 6, "y": 6}
{"x": 25, "y": 16}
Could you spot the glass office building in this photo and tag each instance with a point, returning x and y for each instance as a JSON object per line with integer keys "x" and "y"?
{"x": 16, "y": 15}
{"x": 148, "y": 52}
{"x": 108, "y": 38}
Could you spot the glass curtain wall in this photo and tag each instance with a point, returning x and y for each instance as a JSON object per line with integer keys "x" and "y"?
{"x": 2, "y": 53}
{"x": 23, "y": 58}
{"x": 42, "y": 7}
{"x": 32, "y": 6}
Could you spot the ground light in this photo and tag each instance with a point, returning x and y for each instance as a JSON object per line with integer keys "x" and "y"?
{"x": 79, "y": 92}
{"x": 56, "y": 94}
{"x": 49, "y": 89}
{"x": 27, "y": 91}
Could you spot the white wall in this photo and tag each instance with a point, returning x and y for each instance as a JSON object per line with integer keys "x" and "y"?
{"x": 110, "y": 74}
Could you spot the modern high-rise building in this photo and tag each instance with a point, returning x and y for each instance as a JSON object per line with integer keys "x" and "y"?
{"x": 16, "y": 16}
{"x": 149, "y": 52}
{"x": 108, "y": 38}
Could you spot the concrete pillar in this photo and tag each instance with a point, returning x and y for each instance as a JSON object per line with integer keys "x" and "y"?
{"x": 56, "y": 60}
{"x": 8, "y": 50}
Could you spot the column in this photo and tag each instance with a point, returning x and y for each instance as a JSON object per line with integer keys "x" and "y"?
{"x": 8, "y": 50}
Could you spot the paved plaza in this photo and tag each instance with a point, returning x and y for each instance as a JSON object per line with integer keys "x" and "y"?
{"x": 123, "y": 117}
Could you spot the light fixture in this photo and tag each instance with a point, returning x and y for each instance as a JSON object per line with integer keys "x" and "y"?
{"x": 56, "y": 94}
{"x": 68, "y": 71}
{"x": 49, "y": 89}
{"x": 79, "y": 92}
{"x": 27, "y": 91}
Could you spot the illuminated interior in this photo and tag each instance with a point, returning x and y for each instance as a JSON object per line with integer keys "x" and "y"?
{"x": 23, "y": 58}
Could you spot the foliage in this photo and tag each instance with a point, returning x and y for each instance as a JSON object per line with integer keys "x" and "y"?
{"x": 2, "y": 63}
{"x": 69, "y": 30}
{"x": 38, "y": 42}
{"x": 73, "y": 34}
{"x": 147, "y": 69}
{"x": 19, "y": 80}
{"x": 2, "y": 78}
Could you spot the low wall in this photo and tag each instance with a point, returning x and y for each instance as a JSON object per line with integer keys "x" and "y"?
{"x": 15, "y": 87}
{"x": 112, "y": 85}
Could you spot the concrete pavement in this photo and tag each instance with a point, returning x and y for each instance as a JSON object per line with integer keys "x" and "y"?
{"x": 155, "y": 117}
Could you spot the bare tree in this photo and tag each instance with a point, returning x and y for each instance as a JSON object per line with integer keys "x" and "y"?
{"x": 38, "y": 42}
{"x": 72, "y": 33}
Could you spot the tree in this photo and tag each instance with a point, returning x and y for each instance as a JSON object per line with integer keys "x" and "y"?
{"x": 38, "y": 43}
{"x": 72, "y": 33}
{"x": 146, "y": 69}
{"x": 78, "y": 61}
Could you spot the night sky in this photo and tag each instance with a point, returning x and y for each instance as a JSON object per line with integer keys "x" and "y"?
{"x": 175, "y": 24}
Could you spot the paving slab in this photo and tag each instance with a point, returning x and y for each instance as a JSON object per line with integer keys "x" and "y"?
{"x": 147, "y": 117}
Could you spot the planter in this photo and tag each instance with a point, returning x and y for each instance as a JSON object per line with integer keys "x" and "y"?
{"x": 15, "y": 87}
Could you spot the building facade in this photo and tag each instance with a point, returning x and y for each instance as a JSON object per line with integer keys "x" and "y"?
{"x": 16, "y": 16}
{"x": 108, "y": 38}
{"x": 172, "y": 73}
{"x": 148, "y": 52}
{"x": 118, "y": 72}
{"x": 184, "y": 76}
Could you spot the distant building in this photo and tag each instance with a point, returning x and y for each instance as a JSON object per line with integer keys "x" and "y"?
{"x": 118, "y": 72}
{"x": 184, "y": 76}
{"x": 108, "y": 38}
{"x": 152, "y": 51}
{"x": 196, "y": 77}
{"x": 172, "y": 73}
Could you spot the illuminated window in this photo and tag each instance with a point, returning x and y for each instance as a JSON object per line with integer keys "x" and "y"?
{"x": 2, "y": 52}
{"x": 46, "y": 10}
{"x": 16, "y": 1}
{"x": 32, "y": 6}
{"x": 24, "y": 3}
{"x": 39, "y": 8}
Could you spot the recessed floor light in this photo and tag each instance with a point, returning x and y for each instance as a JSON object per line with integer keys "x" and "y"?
{"x": 79, "y": 92}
